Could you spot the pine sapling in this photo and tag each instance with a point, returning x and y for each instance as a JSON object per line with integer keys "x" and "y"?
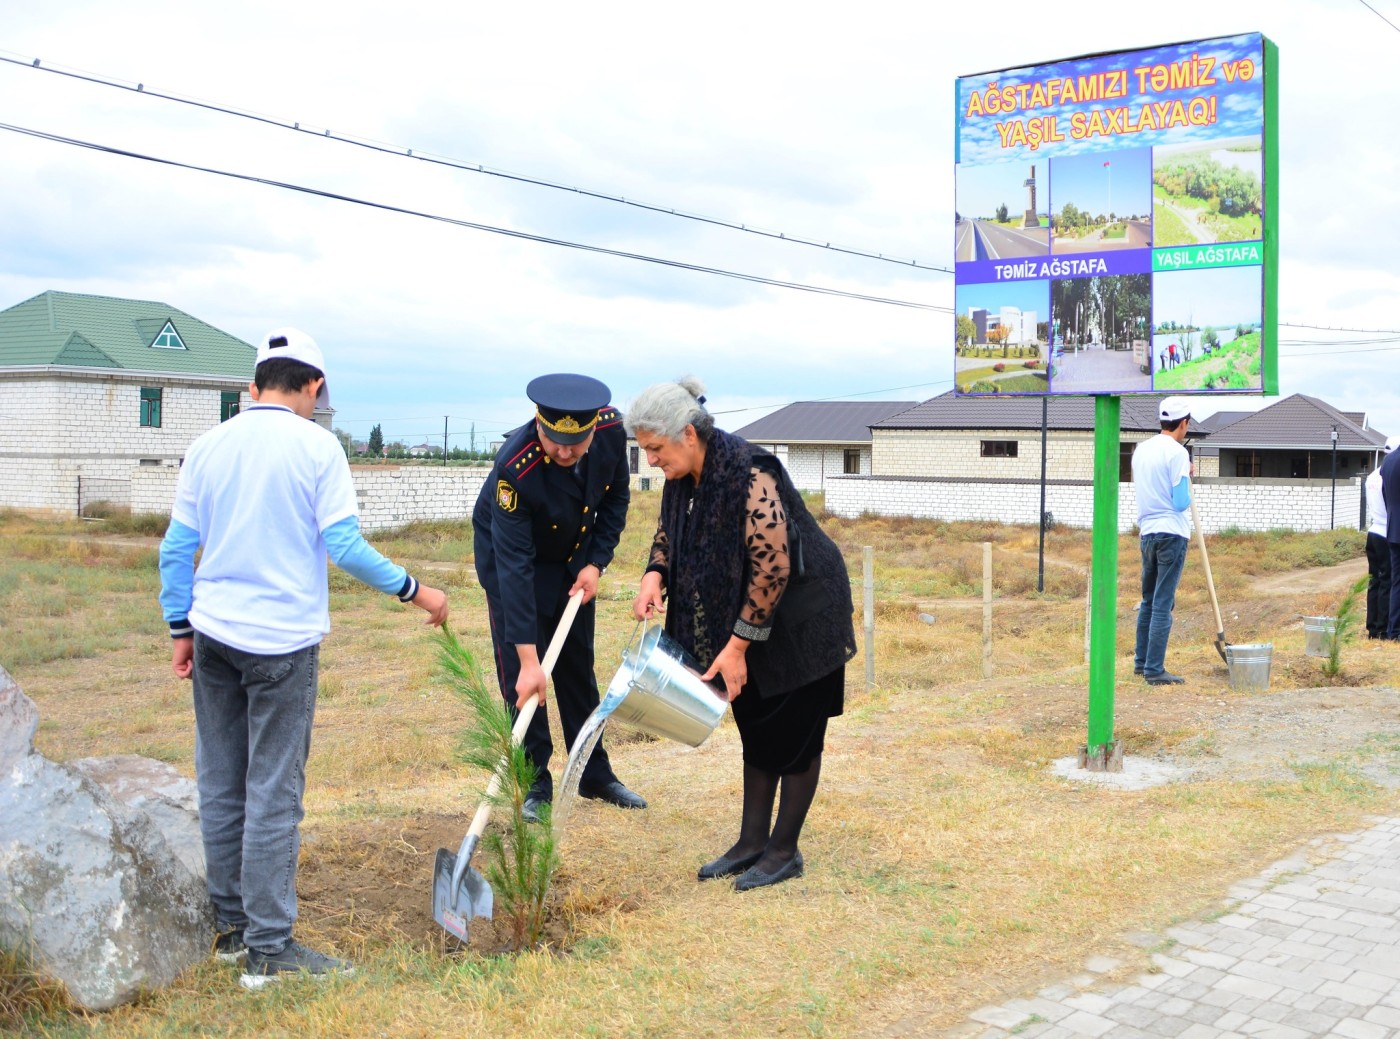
{"x": 521, "y": 855}
{"x": 1344, "y": 626}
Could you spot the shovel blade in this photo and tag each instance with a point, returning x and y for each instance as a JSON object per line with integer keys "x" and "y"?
{"x": 455, "y": 904}
{"x": 1220, "y": 647}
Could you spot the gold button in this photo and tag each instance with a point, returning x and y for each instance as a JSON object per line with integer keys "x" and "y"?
{"x": 585, "y": 508}
{"x": 554, "y": 526}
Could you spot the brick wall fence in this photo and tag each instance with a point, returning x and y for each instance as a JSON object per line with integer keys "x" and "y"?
{"x": 1223, "y": 503}
{"x": 389, "y": 496}
{"x": 392, "y": 496}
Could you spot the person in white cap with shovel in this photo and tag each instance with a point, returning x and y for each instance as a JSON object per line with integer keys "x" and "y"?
{"x": 1162, "y": 481}
{"x": 267, "y": 494}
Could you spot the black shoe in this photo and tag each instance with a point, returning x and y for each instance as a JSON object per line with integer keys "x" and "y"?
{"x": 228, "y": 945}
{"x": 727, "y": 867}
{"x": 533, "y": 809}
{"x": 1137, "y": 670}
{"x": 1165, "y": 678}
{"x": 613, "y": 792}
{"x": 754, "y": 877}
{"x": 265, "y": 968}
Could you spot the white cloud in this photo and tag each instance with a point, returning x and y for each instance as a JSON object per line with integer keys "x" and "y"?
{"x": 833, "y": 124}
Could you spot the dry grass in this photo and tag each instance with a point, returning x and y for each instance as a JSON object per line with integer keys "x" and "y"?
{"x": 945, "y": 863}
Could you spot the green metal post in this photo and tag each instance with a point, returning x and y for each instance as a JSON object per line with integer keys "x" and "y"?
{"x": 1103, "y": 635}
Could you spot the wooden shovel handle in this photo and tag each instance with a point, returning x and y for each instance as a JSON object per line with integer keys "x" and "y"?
{"x": 517, "y": 733}
{"x": 1205, "y": 561}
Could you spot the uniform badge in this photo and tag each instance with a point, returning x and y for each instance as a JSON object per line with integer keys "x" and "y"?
{"x": 506, "y": 496}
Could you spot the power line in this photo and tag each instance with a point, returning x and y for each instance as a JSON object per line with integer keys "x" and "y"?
{"x": 408, "y": 153}
{"x": 1329, "y": 328}
{"x": 1380, "y": 16}
{"x": 678, "y": 264}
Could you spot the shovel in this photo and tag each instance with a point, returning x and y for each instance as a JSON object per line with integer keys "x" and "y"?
{"x": 1210, "y": 583}
{"x": 459, "y": 891}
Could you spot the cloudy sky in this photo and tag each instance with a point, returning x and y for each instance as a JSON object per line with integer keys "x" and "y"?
{"x": 827, "y": 123}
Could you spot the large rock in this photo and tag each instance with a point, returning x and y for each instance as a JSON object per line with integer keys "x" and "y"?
{"x": 91, "y": 889}
{"x": 18, "y": 720}
{"x": 157, "y": 790}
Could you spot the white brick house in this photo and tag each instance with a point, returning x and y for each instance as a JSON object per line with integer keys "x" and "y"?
{"x": 816, "y": 440}
{"x": 93, "y": 387}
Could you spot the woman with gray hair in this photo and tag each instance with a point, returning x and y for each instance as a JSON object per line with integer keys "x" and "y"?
{"x": 759, "y": 595}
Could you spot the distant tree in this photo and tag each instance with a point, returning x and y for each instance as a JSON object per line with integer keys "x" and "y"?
{"x": 376, "y": 441}
{"x": 998, "y": 337}
{"x": 1003, "y": 214}
{"x": 1210, "y": 338}
{"x": 964, "y": 330}
{"x": 346, "y": 441}
{"x": 398, "y": 449}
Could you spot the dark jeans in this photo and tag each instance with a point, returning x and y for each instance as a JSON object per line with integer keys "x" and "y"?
{"x": 253, "y": 719}
{"x": 1393, "y": 624}
{"x": 1163, "y": 556}
{"x": 1378, "y": 590}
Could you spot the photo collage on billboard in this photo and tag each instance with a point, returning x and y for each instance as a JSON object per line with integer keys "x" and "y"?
{"x": 1111, "y": 226}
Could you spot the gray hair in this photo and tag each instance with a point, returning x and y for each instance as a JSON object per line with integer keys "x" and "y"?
{"x": 666, "y": 408}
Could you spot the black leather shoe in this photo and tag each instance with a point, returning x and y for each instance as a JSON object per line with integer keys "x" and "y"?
{"x": 1165, "y": 678}
{"x": 533, "y": 808}
{"x": 727, "y": 867}
{"x": 613, "y": 792}
{"x": 754, "y": 877}
{"x": 1137, "y": 670}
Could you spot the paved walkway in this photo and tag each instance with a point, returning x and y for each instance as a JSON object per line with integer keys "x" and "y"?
{"x": 1311, "y": 947}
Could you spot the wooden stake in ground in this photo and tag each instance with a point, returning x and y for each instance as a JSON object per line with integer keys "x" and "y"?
{"x": 986, "y": 609}
{"x": 869, "y": 568}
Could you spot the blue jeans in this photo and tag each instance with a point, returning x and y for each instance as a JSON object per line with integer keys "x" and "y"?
{"x": 252, "y": 735}
{"x": 1163, "y": 556}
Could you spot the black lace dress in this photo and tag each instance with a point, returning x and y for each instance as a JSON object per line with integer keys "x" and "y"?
{"x": 740, "y": 554}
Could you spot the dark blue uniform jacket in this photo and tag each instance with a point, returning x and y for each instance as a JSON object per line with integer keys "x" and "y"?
{"x": 537, "y": 524}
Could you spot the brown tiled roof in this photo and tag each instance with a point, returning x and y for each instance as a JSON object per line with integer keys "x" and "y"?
{"x": 824, "y": 422}
{"x": 1138, "y": 413}
{"x": 1298, "y": 422}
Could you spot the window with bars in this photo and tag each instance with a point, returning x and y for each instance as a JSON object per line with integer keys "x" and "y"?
{"x": 150, "y": 406}
{"x": 850, "y": 461}
{"x": 1248, "y": 463}
{"x": 228, "y": 404}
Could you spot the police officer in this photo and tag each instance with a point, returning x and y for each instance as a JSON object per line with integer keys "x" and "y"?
{"x": 546, "y": 523}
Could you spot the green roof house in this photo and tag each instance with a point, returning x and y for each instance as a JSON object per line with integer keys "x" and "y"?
{"x": 95, "y": 390}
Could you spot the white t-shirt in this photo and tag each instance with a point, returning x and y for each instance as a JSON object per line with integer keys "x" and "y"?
{"x": 1159, "y": 463}
{"x": 259, "y": 489}
{"x": 1375, "y": 503}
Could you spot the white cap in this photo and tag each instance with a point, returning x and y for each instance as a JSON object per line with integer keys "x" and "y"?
{"x": 1174, "y": 409}
{"x": 1391, "y": 445}
{"x": 296, "y": 344}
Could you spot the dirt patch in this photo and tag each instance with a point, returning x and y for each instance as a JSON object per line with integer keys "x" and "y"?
{"x": 1310, "y": 582}
{"x": 373, "y": 880}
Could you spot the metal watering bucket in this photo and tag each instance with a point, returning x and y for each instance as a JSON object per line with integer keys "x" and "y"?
{"x": 666, "y": 696}
{"x": 1249, "y": 664}
{"x": 1317, "y": 635}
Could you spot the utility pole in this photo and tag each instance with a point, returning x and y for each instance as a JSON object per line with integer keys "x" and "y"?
{"x": 444, "y": 440}
{"x": 1334, "y": 477}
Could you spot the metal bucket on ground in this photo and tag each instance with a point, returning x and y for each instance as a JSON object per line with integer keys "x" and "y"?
{"x": 1249, "y": 664}
{"x": 1317, "y": 635}
{"x": 667, "y": 697}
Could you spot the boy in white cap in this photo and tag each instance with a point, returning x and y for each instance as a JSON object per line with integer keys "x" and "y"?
{"x": 1378, "y": 551}
{"x": 1162, "y": 481}
{"x": 268, "y": 496}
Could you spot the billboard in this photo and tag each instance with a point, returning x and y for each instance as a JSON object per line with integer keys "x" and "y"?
{"x": 1115, "y": 226}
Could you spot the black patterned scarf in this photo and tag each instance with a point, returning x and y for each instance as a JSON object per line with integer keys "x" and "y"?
{"x": 708, "y": 565}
